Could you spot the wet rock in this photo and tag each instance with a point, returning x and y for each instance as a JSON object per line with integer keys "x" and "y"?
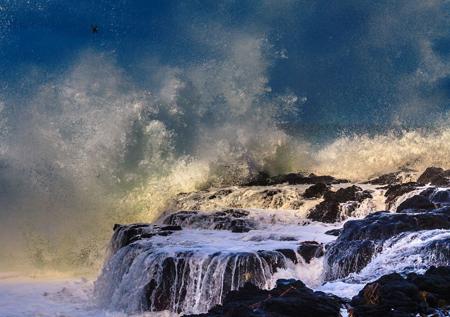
{"x": 383, "y": 225}
{"x": 440, "y": 197}
{"x": 349, "y": 257}
{"x": 228, "y": 219}
{"x": 289, "y": 254}
{"x": 361, "y": 239}
{"x": 435, "y": 281}
{"x": 127, "y": 234}
{"x": 310, "y": 249}
{"x": 142, "y": 277}
{"x": 435, "y": 176}
{"x": 391, "y": 295}
{"x": 329, "y": 210}
{"x": 395, "y": 191}
{"x": 316, "y": 190}
{"x": 334, "y": 232}
{"x": 394, "y": 295}
{"x": 263, "y": 179}
{"x": 386, "y": 179}
{"x": 416, "y": 203}
{"x": 288, "y": 298}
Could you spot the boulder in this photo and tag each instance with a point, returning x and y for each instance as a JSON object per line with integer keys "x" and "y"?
{"x": 316, "y": 190}
{"x": 234, "y": 220}
{"x": 416, "y": 203}
{"x": 310, "y": 249}
{"x": 435, "y": 176}
{"x": 361, "y": 239}
{"x": 289, "y": 298}
{"x": 127, "y": 234}
{"x": 263, "y": 179}
{"x": 395, "y": 191}
{"x": 386, "y": 179}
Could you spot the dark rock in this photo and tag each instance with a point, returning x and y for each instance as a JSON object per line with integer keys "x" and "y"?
{"x": 391, "y": 295}
{"x": 386, "y": 179}
{"x": 316, "y": 190}
{"x": 435, "y": 176}
{"x": 349, "y": 257}
{"x": 361, "y": 239}
{"x": 171, "y": 228}
{"x": 229, "y": 219}
{"x": 440, "y": 197}
{"x": 289, "y": 298}
{"x": 310, "y": 249}
{"x": 394, "y": 295}
{"x": 384, "y": 225}
{"x": 289, "y": 254}
{"x": 329, "y": 210}
{"x": 436, "y": 280}
{"x": 334, "y": 232}
{"x": 263, "y": 179}
{"x": 416, "y": 202}
{"x": 127, "y": 234}
{"x": 395, "y": 191}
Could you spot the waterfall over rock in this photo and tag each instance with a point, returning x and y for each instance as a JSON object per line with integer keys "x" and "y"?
{"x": 324, "y": 234}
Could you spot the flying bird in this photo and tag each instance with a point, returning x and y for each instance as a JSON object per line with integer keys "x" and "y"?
{"x": 94, "y": 28}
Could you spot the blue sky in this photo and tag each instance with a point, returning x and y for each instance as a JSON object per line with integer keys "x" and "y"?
{"x": 352, "y": 61}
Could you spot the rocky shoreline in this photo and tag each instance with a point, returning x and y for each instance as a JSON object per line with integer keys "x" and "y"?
{"x": 272, "y": 246}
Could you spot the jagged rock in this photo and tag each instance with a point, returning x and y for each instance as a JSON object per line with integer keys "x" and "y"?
{"x": 126, "y": 234}
{"x": 386, "y": 179}
{"x": 440, "y": 197}
{"x": 310, "y": 249}
{"x": 394, "y": 295}
{"x": 270, "y": 197}
{"x": 416, "y": 203}
{"x": 349, "y": 257}
{"x": 334, "y": 232}
{"x": 229, "y": 219}
{"x": 383, "y": 225}
{"x": 329, "y": 209}
{"x": 316, "y": 190}
{"x": 289, "y": 254}
{"x": 263, "y": 179}
{"x": 361, "y": 239}
{"x": 435, "y": 176}
{"x": 395, "y": 191}
{"x": 435, "y": 281}
{"x": 289, "y": 298}
{"x": 159, "y": 280}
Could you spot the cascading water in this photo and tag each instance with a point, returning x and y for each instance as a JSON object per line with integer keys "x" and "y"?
{"x": 192, "y": 259}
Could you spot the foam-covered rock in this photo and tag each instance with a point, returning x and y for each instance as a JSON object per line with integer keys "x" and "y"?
{"x": 394, "y": 295}
{"x": 330, "y": 209}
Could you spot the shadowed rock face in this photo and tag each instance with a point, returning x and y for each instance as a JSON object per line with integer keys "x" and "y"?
{"x": 310, "y": 249}
{"x": 361, "y": 239}
{"x": 435, "y": 176}
{"x": 127, "y": 234}
{"x": 198, "y": 259}
{"x": 394, "y": 295}
{"x": 288, "y": 298}
{"x": 264, "y": 179}
{"x": 329, "y": 210}
{"x": 230, "y": 219}
{"x": 416, "y": 203}
{"x": 316, "y": 190}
